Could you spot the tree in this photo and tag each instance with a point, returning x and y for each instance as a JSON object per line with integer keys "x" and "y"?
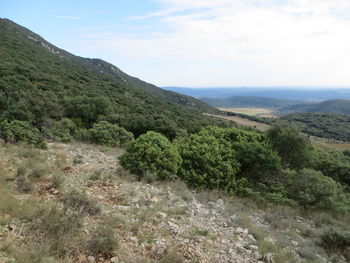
{"x": 151, "y": 153}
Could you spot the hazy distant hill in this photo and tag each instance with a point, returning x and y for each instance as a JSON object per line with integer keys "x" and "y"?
{"x": 249, "y": 101}
{"x": 316, "y": 94}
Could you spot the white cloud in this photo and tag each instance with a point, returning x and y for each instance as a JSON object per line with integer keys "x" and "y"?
{"x": 237, "y": 42}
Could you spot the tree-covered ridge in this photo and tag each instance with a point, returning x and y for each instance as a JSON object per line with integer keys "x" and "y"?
{"x": 41, "y": 84}
{"x": 249, "y": 101}
{"x": 324, "y": 125}
{"x": 338, "y": 106}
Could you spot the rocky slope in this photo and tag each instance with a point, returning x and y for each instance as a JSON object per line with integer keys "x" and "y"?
{"x": 149, "y": 220}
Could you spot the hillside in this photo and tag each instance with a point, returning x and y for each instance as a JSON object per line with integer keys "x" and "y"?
{"x": 329, "y": 106}
{"x": 248, "y": 101}
{"x": 40, "y": 83}
{"x": 86, "y": 191}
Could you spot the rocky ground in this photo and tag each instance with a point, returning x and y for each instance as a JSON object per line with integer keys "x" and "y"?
{"x": 150, "y": 219}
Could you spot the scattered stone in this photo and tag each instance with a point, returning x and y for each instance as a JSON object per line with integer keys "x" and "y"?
{"x": 91, "y": 259}
{"x": 114, "y": 260}
{"x": 268, "y": 258}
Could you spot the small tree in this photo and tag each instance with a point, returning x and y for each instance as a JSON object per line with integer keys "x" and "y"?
{"x": 151, "y": 153}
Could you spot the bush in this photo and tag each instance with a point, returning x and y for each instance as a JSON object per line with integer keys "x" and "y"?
{"x": 336, "y": 240}
{"x": 24, "y": 184}
{"x": 258, "y": 161}
{"x": 79, "y": 201}
{"x": 102, "y": 241}
{"x": 333, "y": 164}
{"x": 293, "y": 147}
{"x": 64, "y": 130}
{"x": 312, "y": 189}
{"x": 151, "y": 153}
{"x": 208, "y": 162}
{"x": 109, "y": 134}
{"x": 21, "y": 132}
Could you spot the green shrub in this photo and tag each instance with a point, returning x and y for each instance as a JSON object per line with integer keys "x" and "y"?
{"x": 333, "y": 164}
{"x": 293, "y": 147}
{"x": 64, "y": 130}
{"x": 258, "y": 161}
{"x": 80, "y": 202}
{"x": 21, "y": 132}
{"x": 208, "y": 162}
{"x": 102, "y": 241}
{"x": 151, "y": 153}
{"x": 57, "y": 180}
{"x": 336, "y": 240}
{"x": 312, "y": 189}
{"x": 109, "y": 134}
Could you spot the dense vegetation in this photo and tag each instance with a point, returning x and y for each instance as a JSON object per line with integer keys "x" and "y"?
{"x": 280, "y": 166}
{"x": 328, "y": 106}
{"x": 44, "y": 86}
{"x": 332, "y": 126}
{"x": 249, "y": 101}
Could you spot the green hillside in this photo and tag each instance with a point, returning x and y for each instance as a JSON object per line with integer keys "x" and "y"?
{"x": 40, "y": 84}
{"x": 328, "y": 106}
{"x": 249, "y": 101}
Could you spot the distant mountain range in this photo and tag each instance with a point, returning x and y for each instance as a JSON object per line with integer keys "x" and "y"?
{"x": 290, "y": 93}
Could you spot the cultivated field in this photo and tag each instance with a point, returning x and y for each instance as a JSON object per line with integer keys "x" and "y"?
{"x": 259, "y": 112}
{"x": 243, "y": 122}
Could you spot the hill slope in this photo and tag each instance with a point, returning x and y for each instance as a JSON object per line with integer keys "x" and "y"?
{"x": 328, "y": 106}
{"x": 40, "y": 82}
{"x": 248, "y": 101}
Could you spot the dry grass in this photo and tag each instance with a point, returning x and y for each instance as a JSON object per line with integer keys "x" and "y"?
{"x": 261, "y": 112}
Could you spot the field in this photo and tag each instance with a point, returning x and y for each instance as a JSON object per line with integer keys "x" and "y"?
{"x": 259, "y": 112}
{"x": 243, "y": 122}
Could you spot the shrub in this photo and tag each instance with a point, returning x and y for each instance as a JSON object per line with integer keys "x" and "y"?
{"x": 57, "y": 229}
{"x": 79, "y": 201}
{"x": 64, "y": 130}
{"x": 24, "y": 184}
{"x": 258, "y": 161}
{"x": 312, "y": 189}
{"x": 293, "y": 147}
{"x": 208, "y": 162}
{"x": 57, "y": 180}
{"x": 333, "y": 164}
{"x": 109, "y": 134}
{"x": 21, "y": 132}
{"x": 151, "y": 153}
{"x": 102, "y": 241}
{"x": 336, "y": 240}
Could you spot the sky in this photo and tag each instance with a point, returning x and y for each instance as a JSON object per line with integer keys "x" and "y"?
{"x": 201, "y": 43}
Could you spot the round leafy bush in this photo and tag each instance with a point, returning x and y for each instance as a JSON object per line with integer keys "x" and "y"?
{"x": 109, "y": 134}
{"x": 208, "y": 162}
{"x": 312, "y": 189}
{"x": 151, "y": 153}
{"x": 293, "y": 147}
{"x": 21, "y": 132}
{"x": 64, "y": 130}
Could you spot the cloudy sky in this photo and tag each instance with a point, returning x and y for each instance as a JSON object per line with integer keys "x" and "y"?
{"x": 202, "y": 43}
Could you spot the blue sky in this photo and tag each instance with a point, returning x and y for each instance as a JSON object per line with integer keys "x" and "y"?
{"x": 202, "y": 42}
